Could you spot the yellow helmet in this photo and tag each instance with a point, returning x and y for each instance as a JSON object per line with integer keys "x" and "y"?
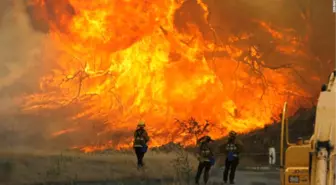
{"x": 141, "y": 124}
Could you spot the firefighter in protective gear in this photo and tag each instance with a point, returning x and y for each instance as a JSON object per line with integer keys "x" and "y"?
{"x": 141, "y": 139}
{"x": 231, "y": 148}
{"x": 205, "y": 159}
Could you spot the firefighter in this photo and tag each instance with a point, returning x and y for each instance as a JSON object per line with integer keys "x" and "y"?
{"x": 206, "y": 159}
{"x": 141, "y": 139}
{"x": 232, "y": 148}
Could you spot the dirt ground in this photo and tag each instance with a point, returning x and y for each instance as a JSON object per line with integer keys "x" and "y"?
{"x": 32, "y": 167}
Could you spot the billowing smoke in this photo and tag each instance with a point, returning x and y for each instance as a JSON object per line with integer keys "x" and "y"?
{"x": 20, "y": 51}
{"x": 21, "y": 48}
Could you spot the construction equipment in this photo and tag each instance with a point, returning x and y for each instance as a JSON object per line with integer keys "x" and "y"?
{"x": 312, "y": 163}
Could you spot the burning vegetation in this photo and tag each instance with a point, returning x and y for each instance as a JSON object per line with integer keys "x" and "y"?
{"x": 117, "y": 62}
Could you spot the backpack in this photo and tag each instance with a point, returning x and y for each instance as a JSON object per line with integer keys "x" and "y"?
{"x": 139, "y": 137}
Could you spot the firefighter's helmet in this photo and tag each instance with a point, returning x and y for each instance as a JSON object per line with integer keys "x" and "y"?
{"x": 141, "y": 124}
{"x": 232, "y": 134}
{"x": 206, "y": 139}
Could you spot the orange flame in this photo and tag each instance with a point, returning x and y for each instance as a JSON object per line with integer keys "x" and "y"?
{"x": 125, "y": 61}
{"x": 55, "y": 134}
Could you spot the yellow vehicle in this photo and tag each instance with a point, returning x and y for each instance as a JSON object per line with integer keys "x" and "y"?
{"x": 312, "y": 162}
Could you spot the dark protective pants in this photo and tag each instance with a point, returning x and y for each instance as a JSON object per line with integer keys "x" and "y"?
{"x": 140, "y": 155}
{"x": 206, "y": 165}
{"x": 230, "y": 166}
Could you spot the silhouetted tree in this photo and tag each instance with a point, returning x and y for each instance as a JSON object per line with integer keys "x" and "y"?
{"x": 194, "y": 128}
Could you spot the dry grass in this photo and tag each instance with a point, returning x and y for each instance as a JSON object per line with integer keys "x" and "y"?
{"x": 22, "y": 167}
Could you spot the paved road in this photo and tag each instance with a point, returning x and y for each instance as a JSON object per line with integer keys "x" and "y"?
{"x": 242, "y": 178}
{"x": 249, "y": 177}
